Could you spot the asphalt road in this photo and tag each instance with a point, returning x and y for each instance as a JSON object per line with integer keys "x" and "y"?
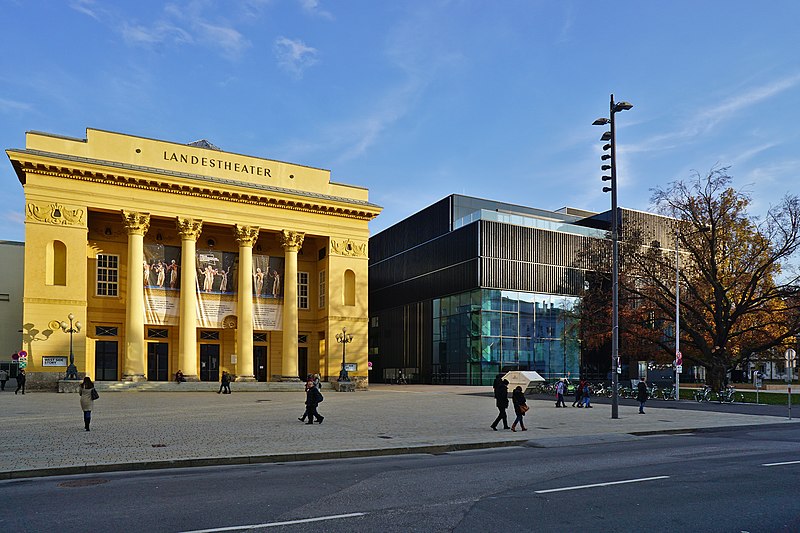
{"x": 709, "y": 480}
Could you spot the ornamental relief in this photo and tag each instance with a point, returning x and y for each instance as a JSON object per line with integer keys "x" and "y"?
{"x": 349, "y": 248}
{"x": 56, "y": 213}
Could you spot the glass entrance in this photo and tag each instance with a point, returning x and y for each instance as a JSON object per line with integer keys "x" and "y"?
{"x": 260, "y": 362}
{"x": 157, "y": 361}
{"x": 105, "y": 360}
{"x": 209, "y": 362}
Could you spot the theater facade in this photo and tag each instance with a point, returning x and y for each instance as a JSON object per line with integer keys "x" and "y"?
{"x": 185, "y": 257}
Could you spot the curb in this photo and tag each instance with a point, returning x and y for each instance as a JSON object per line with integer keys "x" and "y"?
{"x": 253, "y": 459}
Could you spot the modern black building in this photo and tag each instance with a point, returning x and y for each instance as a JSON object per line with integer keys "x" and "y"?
{"x": 468, "y": 287}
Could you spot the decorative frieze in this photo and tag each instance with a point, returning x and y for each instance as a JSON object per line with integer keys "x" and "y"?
{"x": 57, "y": 214}
{"x": 348, "y": 248}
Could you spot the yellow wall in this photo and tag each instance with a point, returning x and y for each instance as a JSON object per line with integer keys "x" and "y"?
{"x": 76, "y": 190}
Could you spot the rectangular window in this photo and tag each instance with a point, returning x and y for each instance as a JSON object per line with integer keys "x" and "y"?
{"x": 157, "y": 333}
{"x": 302, "y": 290}
{"x": 209, "y": 335}
{"x": 259, "y": 337}
{"x": 322, "y": 289}
{"x": 106, "y": 331}
{"x": 107, "y": 275}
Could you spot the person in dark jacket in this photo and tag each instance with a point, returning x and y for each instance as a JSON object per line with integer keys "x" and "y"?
{"x": 225, "y": 383}
{"x": 520, "y": 407}
{"x": 20, "y": 382}
{"x": 501, "y": 399}
{"x": 641, "y": 394}
{"x": 313, "y": 398}
{"x": 578, "y": 394}
{"x": 309, "y": 384}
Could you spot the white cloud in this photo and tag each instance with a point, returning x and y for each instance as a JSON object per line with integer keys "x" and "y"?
{"x": 7, "y": 106}
{"x": 312, "y": 7}
{"x": 704, "y": 120}
{"x": 87, "y": 7}
{"x": 294, "y": 55}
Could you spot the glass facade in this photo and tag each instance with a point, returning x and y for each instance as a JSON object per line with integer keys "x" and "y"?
{"x": 480, "y": 333}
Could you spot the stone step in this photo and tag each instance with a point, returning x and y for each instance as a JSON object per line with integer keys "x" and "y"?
{"x": 189, "y": 386}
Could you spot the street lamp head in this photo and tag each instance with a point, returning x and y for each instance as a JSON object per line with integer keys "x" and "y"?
{"x": 64, "y": 326}
{"x": 607, "y": 147}
{"x": 606, "y": 136}
{"x": 606, "y": 189}
{"x": 605, "y": 157}
{"x": 605, "y": 167}
{"x": 71, "y": 317}
{"x": 78, "y": 326}
{"x": 602, "y": 121}
{"x": 622, "y": 106}
{"x": 606, "y": 178}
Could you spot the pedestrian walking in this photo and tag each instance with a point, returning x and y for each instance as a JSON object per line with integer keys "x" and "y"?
{"x": 87, "y": 396}
{"x": 561, "y": 388}
{"x": 317, "y": 381}
{"x": 641, "y": 394}
{"x": 21, "y": 381}
{"x": 3, "y": 379}
{"x": 501, "y": 399}
{"x": 225, "y": 383}
{"x": 313, "y": 399}
{"x": 587, "y": 392}
{"x": 520, "y": 408}
{"x": 309, "y": 384}
{"x": 578, "y": 394}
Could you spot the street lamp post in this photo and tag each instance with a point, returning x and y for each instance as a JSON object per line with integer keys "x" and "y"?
{"x": 71, "y": 328}
{"x": 344, "y": 338}
{"x": 610, "y": 138}
{"x": 678, "y": 356}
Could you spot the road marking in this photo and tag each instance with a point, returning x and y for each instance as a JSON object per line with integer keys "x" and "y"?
{"x": 277, "y": 524}
{"x": 577, "y": 487}
{"x": 782, "y": 464}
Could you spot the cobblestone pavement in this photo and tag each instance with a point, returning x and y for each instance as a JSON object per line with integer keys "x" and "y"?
{"x": 43, "y": 434}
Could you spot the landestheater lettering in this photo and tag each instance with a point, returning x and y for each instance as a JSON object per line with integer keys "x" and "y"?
{"x": 211, "y": 162}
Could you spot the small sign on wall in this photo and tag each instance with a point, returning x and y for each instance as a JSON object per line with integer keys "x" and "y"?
{"x": 54, "y": 360}
{"x": 351, "y": 367}
{"x": 233, "y": 358}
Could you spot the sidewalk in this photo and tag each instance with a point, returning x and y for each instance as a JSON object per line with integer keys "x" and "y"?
{"x": 43, "y": 434}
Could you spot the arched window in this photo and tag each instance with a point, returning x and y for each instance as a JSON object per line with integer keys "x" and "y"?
{"x": 349, "y": 287}
{"x": 56, "y": 263}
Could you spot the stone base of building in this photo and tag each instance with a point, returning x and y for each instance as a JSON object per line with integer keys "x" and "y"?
{"x": 286, "y": 378}
{"x": 241, "y": 379}
{"x": 344, "y": 386}
{"x": 68, "y": 385}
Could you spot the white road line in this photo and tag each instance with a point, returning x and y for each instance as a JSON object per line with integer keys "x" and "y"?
{"x": 781, "y": 464}
{"x": 578, "y": 487}
{"x": 277, "y": 524}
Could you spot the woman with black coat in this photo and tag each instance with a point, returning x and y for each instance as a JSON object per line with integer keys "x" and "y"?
{"x": 520, "y": 407}
{"x": 313, "y": 398}
{"x": 501, "y": 398}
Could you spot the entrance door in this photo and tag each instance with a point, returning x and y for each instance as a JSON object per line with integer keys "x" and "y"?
{"x": 157, "y": 361}
{"x": 302, "y": 362}
{"x": 260, "y": 362}
{"x": 209, "y": 362}
{"x": 105, "y": 360}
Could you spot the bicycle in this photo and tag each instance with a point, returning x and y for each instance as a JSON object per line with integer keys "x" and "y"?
{"x": 655, "y": 393}
{"x": 703, "y": 394}
{"x": 729, "y": 395}
{"x": 669, "y": 394}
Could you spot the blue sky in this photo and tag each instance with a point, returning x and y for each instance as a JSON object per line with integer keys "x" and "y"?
{"x": 419, "y": 99}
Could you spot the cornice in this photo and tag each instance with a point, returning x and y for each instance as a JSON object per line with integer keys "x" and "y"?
{"x": 157, "y": 180}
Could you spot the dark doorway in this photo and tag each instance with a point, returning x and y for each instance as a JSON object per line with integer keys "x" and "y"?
{"x": 302, "y": 362}
{"x": 157, "y": 361}
{"x": 209, "y": 362}
{"x": 106, "y": 355}
{"x": 260, "y": 362}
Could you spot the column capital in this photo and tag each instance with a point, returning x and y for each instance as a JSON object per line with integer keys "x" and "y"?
{"x": 189, "y": 228}
{"x": 291, "y": 241}
{"x": 136, "y": 223}
{"x": 245, "y": 235}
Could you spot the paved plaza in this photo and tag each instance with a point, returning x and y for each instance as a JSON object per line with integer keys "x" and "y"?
{"x": 43, "y": 434}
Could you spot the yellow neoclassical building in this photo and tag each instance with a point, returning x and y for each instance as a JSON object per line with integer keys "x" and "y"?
{"x": 177, "y": 257}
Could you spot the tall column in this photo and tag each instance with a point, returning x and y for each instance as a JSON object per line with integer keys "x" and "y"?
{"x": 246, "y": 236}
{"x": 189, "y": 230}
{"x": 133, "y": 365}
{"x": 291, "y": 242}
